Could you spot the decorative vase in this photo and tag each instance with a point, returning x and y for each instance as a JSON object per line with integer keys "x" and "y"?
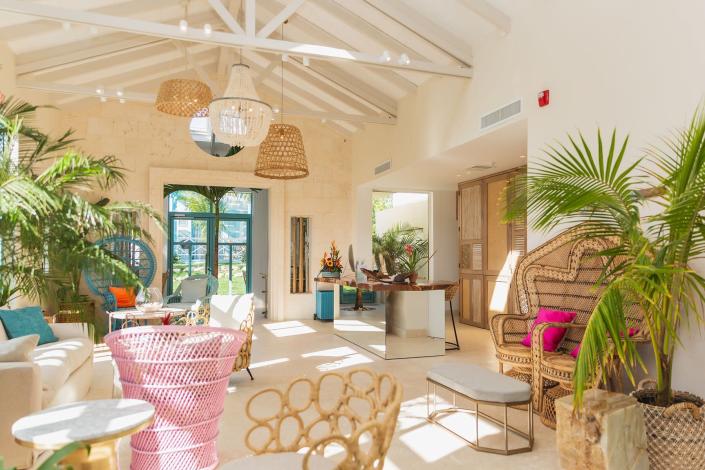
{"x": 413, "y": 277}
{"x": 333, "y": 274}
{"x": 149, "y": 300}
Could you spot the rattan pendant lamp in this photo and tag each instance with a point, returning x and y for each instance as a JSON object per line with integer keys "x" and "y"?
{"x": 282, "y": 155}
{"x": 183, "y": 97}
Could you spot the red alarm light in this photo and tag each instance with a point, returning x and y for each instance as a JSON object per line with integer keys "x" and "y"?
{"x": 544, "y": 98}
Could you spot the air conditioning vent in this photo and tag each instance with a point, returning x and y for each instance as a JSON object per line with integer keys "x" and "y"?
{"x": 382, "y": 167}
{"x": 502, "y": 114}
{"x": 483, "y": 166}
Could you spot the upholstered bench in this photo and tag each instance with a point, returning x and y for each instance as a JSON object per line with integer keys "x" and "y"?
{"x": 482, "y": 387}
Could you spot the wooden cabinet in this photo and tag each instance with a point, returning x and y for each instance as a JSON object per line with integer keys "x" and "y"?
{"x": 489, "y": 249}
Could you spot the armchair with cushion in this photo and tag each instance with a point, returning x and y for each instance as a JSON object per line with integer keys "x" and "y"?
{"x": 192, "y": 292}
{"x": 236, "y": 312}
{"x": 561, "y": 274}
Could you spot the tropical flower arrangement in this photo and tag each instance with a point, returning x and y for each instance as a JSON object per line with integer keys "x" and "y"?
{"x": 331, "y": 263}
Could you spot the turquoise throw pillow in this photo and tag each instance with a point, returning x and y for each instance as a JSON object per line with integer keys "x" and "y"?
{"x": 27, "y": 321}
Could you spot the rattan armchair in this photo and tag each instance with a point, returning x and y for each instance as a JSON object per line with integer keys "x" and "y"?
{"x": 354, "y": 413}
{"x": 561, "y": 274}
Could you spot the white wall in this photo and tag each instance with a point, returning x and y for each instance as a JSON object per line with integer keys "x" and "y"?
{"x": 444, "y": 238}
{"x": 637, "y": 65}
{"x": 414, "y": 214}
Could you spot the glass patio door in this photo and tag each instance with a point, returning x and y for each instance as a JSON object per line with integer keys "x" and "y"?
{"x": 191, "y": 248}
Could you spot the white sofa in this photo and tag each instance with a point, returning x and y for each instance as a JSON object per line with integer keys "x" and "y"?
{"x": 59, "y": 372}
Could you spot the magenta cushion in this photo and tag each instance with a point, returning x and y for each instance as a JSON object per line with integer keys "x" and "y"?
{"x": 551, "y": 336}
{"x": 576, "y": 350}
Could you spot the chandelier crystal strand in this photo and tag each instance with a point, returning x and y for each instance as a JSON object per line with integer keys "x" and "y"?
{"x": 282, "y": 154}
{"x": 240, "y": 118}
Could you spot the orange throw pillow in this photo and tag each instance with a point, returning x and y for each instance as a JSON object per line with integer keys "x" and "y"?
{"x": 125, "y": 296}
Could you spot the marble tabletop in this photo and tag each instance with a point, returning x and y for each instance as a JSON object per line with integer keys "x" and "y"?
{"x": 283, "y": 460}
{"x": 90, "y": 422}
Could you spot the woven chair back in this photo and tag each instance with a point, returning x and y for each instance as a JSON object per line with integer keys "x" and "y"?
{"x": 563, "y": 274}
{"x": 183, "y": 371}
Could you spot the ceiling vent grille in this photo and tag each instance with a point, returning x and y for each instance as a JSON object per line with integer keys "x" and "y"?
{"x": 502, "y": 114}
{"x": 382, "y": 167}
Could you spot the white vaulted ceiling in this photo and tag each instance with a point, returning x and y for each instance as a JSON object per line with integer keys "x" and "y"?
{"x": 70, "y": 47}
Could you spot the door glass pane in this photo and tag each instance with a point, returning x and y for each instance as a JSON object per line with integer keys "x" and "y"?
{"x": 189, "y": 249}
{"x": 236, "y": 202}
{"x": 232, "y": 257}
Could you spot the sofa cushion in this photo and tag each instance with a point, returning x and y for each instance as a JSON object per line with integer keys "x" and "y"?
{"x": 57, "y": 361}
{"x": 27, "y": 321}
{"x": 18, "y": 349}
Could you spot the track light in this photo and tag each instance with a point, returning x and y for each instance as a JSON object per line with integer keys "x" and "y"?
{"x": 385, "y": 57}
{"x": 307, "y": 62}
{"x": 99, "y": 89}
{"x": 404, "y": 59}
{"x": 122, "y": 100}
{"x": 103, "y": 99}
{"x": 207, "y": 29}
{"x": 183, "y": 26}
{"x": 119, "y": 92}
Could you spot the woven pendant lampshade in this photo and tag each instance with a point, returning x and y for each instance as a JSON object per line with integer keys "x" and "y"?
{"x": 281, "y": 155}
{"x": 240, "y": 118}
{"x": 183, "y": 97}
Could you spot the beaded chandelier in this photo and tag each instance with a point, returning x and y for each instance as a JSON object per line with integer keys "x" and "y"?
{"x": 240, "y": 118}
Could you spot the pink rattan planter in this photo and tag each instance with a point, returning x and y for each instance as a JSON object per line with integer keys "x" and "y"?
{"x": 183, "y": 371}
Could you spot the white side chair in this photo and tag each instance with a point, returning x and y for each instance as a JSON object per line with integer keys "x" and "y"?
{"x": 236, "y": 312}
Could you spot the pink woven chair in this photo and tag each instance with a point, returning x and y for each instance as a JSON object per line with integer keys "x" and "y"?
{"x": 183, "y": 371}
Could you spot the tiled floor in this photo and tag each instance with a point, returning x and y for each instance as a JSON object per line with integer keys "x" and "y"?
{"x": 286, "y": 350}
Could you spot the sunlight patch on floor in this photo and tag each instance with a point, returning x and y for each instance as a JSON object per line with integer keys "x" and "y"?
{"x": 271, "y": 362}
{"x": 288, "y": 328}
{"x": 355, "y": 325}
{"x": 431, "y": 443}
{"x": 334, "y": 352}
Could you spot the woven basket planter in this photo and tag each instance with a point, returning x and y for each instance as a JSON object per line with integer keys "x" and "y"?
{"x": 676, "y": 434}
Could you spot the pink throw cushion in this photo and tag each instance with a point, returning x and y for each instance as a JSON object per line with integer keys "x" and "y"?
{"x": 576, "y": 350}
{"x": 551, "y": 336}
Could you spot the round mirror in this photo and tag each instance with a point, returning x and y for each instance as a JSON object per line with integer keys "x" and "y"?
{"x": 203, "y": 137}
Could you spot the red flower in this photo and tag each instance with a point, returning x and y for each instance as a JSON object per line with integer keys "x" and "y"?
{"x": 409, "y": 249}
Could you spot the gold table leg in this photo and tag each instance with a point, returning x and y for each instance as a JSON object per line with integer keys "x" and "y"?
{"x": 102, "y": 456}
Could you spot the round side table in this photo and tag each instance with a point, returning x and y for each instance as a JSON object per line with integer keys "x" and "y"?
{"x": 98, "y": 423}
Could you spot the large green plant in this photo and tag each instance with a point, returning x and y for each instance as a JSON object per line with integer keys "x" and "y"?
{"x": 388, "y": 248}
{"x": 48, "y": 224}
{"x": 578, "y": 183}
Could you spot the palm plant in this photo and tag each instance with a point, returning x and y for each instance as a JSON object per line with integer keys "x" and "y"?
{"x": 47, "y": 224}
{"x": 388, "y": 248}
{"x": 648, "y": 265}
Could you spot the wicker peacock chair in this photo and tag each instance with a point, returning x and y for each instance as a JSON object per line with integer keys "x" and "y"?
{"x": 561, "y": 274}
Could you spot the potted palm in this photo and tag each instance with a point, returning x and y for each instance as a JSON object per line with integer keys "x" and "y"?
{"x": 47, "y": 223}
{"x": 649, "y": 265}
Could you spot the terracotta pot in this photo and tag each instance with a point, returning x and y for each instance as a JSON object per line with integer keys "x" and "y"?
{"x": 413, "y": 277}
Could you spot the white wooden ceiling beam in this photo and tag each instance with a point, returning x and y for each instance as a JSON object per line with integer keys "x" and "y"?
{"x": 218, "y": 38}
{"x": 150, "y": 97}
{"x": 225, "y": 15}
{"x": 425, "y": 28}
{"x": 489, "y": 13}
{"x": 195, "y": 66}
{"x": 279, "y": 18}
{"x": 111, "y": 49}
{"x": 250, "y": 15}
{"x": 265, "y": 72}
